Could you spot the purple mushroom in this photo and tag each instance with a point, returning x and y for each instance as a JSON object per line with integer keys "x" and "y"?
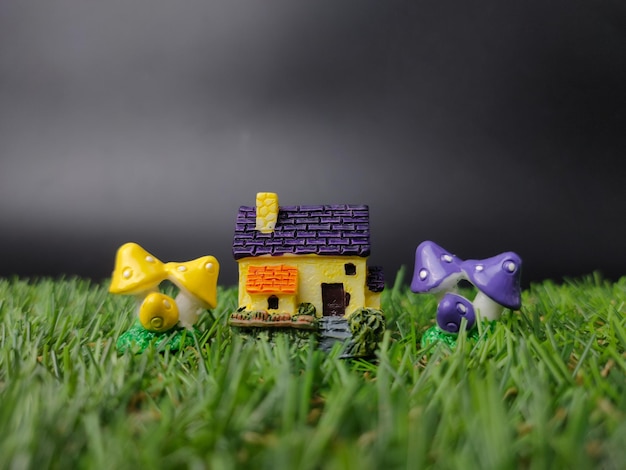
{"x": 451, "y": 311}
{"x": 498, "y": 282}
{"x": 436, "y": 270}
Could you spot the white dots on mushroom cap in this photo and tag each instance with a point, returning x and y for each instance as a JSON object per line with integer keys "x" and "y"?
{"x": 127, "y": 273}
{"x": 479, "y": 267}
{"x": 423, "y": 274}
{"x": 181, "y": 269}
{"x": 510, "y": 266}
{"x": 447, "y": 258}
{"x": 149, "y": 259}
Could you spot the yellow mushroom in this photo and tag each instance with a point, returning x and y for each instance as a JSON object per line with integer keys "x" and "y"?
{"x": 136, "y": 271}
{"x": 139, "y": 273}
{"x": 197, "y": 281}
{"x": 158, "y": 312}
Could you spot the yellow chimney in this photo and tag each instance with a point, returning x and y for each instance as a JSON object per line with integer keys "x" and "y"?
{"x": 266, "y": 212}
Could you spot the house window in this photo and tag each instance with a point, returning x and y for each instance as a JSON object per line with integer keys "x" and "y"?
{"x": 272, "y": 303}
{"x": 347, "y": 299}
{"x": 350, "y": 269}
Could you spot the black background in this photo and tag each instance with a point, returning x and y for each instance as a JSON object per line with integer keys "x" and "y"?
{"x": 485, "y": 126}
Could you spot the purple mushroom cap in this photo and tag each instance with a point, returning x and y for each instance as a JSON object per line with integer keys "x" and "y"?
{"x": 498, "y": 277}
{"x": 433, "y": 265}
{"x": 451, "y": 310}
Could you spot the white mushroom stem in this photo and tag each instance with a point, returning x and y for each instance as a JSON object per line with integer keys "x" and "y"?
{"x": 189, "y": 309}
{"x": 486, "y": 308}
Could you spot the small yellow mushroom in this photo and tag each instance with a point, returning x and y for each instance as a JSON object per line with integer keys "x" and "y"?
{"x": 158, "y": 312}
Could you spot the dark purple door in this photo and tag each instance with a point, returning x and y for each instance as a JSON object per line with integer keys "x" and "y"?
{"x": 333, "y": 299}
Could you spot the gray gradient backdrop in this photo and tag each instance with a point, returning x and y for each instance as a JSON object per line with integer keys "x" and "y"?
{"x": 485, "y": 126}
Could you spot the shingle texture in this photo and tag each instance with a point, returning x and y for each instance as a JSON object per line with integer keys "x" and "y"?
{"x": 333, "y": 230}
{"x": 375, "y": 279}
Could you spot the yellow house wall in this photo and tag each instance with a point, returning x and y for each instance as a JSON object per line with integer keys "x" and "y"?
{"x": 313, "y": 270}
{"x": 286, "y": 303}
{"x": 372, "y": 299}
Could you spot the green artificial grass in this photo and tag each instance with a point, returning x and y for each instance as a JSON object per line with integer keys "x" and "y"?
{"x": 544, "y": 388}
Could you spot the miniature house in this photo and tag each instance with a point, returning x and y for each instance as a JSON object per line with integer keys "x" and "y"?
{"x": 293, "y": 257}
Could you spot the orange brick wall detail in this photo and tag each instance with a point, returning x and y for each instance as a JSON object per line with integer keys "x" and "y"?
{"x": 272, "y": 279}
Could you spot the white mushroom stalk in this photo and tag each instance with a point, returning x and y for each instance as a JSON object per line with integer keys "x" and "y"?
{"x": 189, "y": 309}
{"x": 486, "y": 308}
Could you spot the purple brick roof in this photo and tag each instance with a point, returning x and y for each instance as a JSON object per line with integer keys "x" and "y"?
{"x": 335, "y": 230}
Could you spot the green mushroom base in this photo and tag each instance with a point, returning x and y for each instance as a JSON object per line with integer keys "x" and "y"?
{"x": 435, "y": 335}
{"x": 137, "y": 339}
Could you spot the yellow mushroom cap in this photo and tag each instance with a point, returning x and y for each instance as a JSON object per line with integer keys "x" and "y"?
{"x": 158, "y": 312}
{"x": 198, "y": 278}
{"x": 136, "y": 271}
